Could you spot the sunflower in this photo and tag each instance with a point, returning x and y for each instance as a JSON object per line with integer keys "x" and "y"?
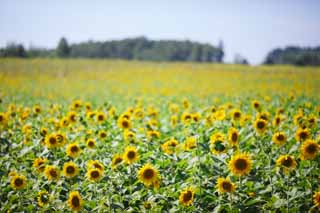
{"x": 37, "y": 109}
{"x": 124, "y": 123}
{"x": 75, "y": 201}
{"x": 225, "y": 185}
{"x": 18, "y": 182}
{"x": 91, "y": 143}
{"x": 51, "y": 141}
{"x": 263, "y": 115}
{"x": 64, "y": 122}
{"x": 256, "y": 104}
{"x": 95, "y": 164}
{"x": 72, "y": 117}
{"x": 76, "y": 104}
{"x": 186, "y": 197}
{"x": 220, "y": 114}
{"x": 43, "y": 198}
{"x": 61, "y": 139}
{"x": 169, "y": 147}
{"x": 316, "y": 199}
{"x": 277, "y": 120}
{"x": 43, "y": 131}
{"x": 312, "y": 121}
{"x": 116, "y": 159}
{"x": 52, "y": 173}
{"x": 94, "y": 174}
{"x": 279, "y": 138}
{"x": 101, "y": 117}
{"x": 3, "y": 119}
{"x": 186, "y": 117}
{"x": 240, "y": 164}
{"x": 131, "y": 155}
{"x": 148, "y": 174}
{"x": 73, "y": 150}
{"x": 102, "y": 134}
{"x": 302, "y": 134}
{"x": 287, "y": 162}
{"x": 236, "y": 114}
{"x": 129, "y": 136}
{"x": 88, "y": 106}
{"x": 196, "y": 116}
{"x": 233, "y": 136}
{"x": 174, "y": 120}
{"x": 185, "y": 103}
{"x": 309, "y": 150}
{"x": 39, "y": 164}
{"x": 174, "y": 108}
{"x": 153, "y": 134}
{"x": 190, "y": 143}
{"x": 217, "y": 136}
{"x": 70, "y": 169}
{"x": 218, "y": 147}
{"x": 260, "y": 125}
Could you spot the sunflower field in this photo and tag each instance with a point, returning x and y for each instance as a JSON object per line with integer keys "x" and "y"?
{"x": 118, "y": 136}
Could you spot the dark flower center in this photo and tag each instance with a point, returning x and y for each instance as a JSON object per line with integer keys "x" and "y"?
{"x": 187, "y": 196}
{"x": 75, "y": 201}
{"x": 148, "y": 174}
{"x": 226, "y": 186}
{"x": 18, "y": 182}
{"x": 70, "y": 170}
{"x": 95, "y": 174}
{"x": 241, "y": 164}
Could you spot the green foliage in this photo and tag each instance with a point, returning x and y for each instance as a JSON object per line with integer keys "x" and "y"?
{"x": 294, "y": 55}
{"x": 63, "y": 49}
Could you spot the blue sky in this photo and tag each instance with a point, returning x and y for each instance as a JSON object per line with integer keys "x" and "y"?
{"x": 250, "y": 28}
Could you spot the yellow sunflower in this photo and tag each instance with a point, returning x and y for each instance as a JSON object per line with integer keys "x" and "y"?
{"x": 129, "y": 136}
{"x": 3, "y": 119}
{"x": 153, "y": 134}
{"x": 225, "y": 185}
{"x": 43, "y": 131}
{"x": 102, "y": 134}
{"x": 51, "y": 141}
{"x": 70, "y": 169}
{"x": 302, "y": 134}
{"x": 316, "y": 199}
{"x": 256, "y": 104}
{"x": 260, "y": 125}
{"x": 124, "y": 123}
{"x": 72, "y": 117}
{"x": 240, "y": 164}
{"x": 186, "y": 197}
{"x": 174, "y": 120}
{"x": 73, "y": 150}
{"x": 148, "y": 174}
{"x": 170, "y": 146}
{"x": 279, "y": 138}
{"x": 287, "y": 162}
{"x": 61, "y": 139}
{"x": 309, "y": 150}
{"x": 91, "y": 143}
{"x": 64, "y": 122}
{"x": 116, "y": 160}
{"x": 277, "y": 120}
{"x": 37, "y": 109}
{"x": 95, "y": 164}
{"x": 18, "y": 182}
{"x": 94, "y": 174}
{"x": 39, "y": 164}
{"x": 186, "y": 117}
{"x": 75, "y": 201}
{"x": 233, "y": 137}
{"x": 131, "y": 155}
{"x": 43, "y": 198}
{"x": 52, "y": 173}
{"x": 218, "y": 147}
{"x": 236, "y": 114}
{"x": 190, "y": 143}
{"x": 101, "y": 117}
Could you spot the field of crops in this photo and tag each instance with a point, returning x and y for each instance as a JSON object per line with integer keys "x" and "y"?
{"x": 118, "y": 136}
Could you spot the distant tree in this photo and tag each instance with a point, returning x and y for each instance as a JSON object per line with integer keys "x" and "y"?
{"x": 294, "y": 55}
{"x": 239, "y": 59}
{"x": 63, "y": 49}
{"x": 13, "y": 50}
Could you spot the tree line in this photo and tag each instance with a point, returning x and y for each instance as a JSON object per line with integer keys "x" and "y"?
{"x": 294, "y": 55}
{"x": 139, "y": 48}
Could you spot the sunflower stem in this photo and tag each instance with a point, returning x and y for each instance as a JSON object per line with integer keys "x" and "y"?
{"x": 287, "y": 183}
